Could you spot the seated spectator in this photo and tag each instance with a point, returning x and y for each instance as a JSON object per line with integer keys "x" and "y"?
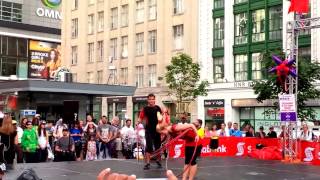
{"x": 65, "y": 147}
{"x": 261, "y": 133}
{"x": 128, "y": 139}
{"x": 250, "y": 133}
{"x": 222, "y": 132}
{"x": 272, "y": 133}
{"x": 235, "y": 131}
{"x": 306, "y": 135}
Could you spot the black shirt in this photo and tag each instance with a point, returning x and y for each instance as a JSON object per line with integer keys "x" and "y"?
{"x": 150, "y": 113}
{"x": 272, "y": 134}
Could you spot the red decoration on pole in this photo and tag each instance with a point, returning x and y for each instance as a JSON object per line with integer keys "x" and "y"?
{"x": 299, "y": 6}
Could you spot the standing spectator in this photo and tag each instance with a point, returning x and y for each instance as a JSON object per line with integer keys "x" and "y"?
{"x": 222, "y": 132}
{"x": 91, "y": 149}
{"x": 23, "y": 123}
{"x": 214, "y": 131}
{"x": 18, "y": 147}
{"x": 77, "y": 133}
{"x": 29, "y": 142}
{"x": 153, "y": 138}
{"x": 91, "y": 130}
{"x": 207, "y": 132}
{"x": 235, "y": 131}
{"x": 183, "y": 119}
{"x": 306, "y": 135}
{"x": 250, "y": 133}
{"x": 42, "y": 142}
{"x": 115, "y": 141}
{"x": 229, "y": 128}
{"x": 272, "y": 133}
{"x": 283, "y": 132}
{"x": 104, "y": 135}
{"x": 65, "y": 147}
{"x": 50, "y": 130}
{"x": 128, "y": 138}
{"x": 261, "y": 133}
{"x": 8, "y": 140}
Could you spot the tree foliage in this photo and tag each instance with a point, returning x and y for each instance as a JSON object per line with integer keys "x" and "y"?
{"x": 183, "y": 79}
{"x": 308, "y": 74}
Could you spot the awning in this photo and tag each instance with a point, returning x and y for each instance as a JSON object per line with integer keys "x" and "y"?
{"x": 63, "y": 87}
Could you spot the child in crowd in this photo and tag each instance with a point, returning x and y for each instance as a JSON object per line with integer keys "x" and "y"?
{"x": 91, "y": 149}
{"x": 138, "y": 153}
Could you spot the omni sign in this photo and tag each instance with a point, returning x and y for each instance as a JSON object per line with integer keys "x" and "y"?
{"x": 49, "y": 13}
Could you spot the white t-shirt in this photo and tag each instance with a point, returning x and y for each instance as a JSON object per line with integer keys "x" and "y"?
{"x": 42, "y": 141}
{"x": 20, "y": 134}
{"x": 306, "y": 136}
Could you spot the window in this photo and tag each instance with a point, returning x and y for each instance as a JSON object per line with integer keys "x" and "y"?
{"x": 152, "y": 38}
{"x": 8, "y": 66}
{"x": 114, "y": 18}
{"x": 139, "y": 76}
{"x": 218, "y": 31}
{"x": 258, "y": 25}
{"x": 218, "y": 4}
{"x": 90, "y": 52}
{"x": 177, "y": 7}
{"x": 74, "y": 54}
{"x": 240, "y": 1}
{"x": 152, "y": 9}
{"x": 90, "y": 24}
{"x": 100, "y": 49}
{"x": 140, "y": 11}
{"x": 113, "y": 48}
{"x": 100, "y": 21}
{"x": 218, "y": 69}
{"x": 241, "y": 67}
{"x": 139, "y": 44}
{"x": 241, "y": 26}
{"x": 74, "y": 28}
{"x": 90, "y": 77}
{"x": 256, "y": 66}
{"x": 178, "y": 36}
{"x": 91, "y": 2}
{"x": 124, "y": 15}
{"x": 124, "y": 76}
{"x": 99, "y": 77}
{"x": 112, "y": 76}
{"x": 10, "y": 11}
{"x": 124, "y": 46}
{"x": 153, "y": 75}
{"x": 304, "y": 53}
{"x": 74, "y": 5}
{"x": 275, "y": 23}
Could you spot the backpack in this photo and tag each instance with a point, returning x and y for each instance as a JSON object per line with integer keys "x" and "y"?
{"x": 28, "y": 174}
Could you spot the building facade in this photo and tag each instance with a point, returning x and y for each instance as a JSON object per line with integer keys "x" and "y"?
{"x": 243, "y": 30}
{"x": 128, "y": 42}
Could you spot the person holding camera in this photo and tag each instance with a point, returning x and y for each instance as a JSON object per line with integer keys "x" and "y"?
{"x": 65, "y": 147}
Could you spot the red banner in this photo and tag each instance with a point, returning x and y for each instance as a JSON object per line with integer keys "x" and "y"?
{"x": 234, "y": 146}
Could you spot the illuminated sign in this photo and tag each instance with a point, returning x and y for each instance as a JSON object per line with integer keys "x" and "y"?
{"x": 49, "y": 13}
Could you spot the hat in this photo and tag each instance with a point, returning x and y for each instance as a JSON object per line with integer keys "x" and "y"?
{"x": 43, "y": 122}
{"x": 37, "y": 115}
{"x": 14, "y": 122}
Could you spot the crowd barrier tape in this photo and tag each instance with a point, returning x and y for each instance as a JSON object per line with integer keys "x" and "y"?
{"x": 241, "y": 147}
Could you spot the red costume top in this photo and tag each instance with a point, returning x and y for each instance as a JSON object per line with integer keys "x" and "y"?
{"x": 189, "y": 137}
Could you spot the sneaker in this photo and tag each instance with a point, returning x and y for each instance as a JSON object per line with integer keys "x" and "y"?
{"x": 147, "y": 167}
{"x": 159, "y": 164}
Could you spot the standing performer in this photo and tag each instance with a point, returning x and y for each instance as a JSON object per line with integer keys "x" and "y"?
{"x": 191, "y": 137}
{"x": 153, "y": 140}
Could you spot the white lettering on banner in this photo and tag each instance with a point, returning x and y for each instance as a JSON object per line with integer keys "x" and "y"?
{"x": 37, "y": 67}
{"x": 249, "y": 149}
{"x": 49, "y": 13}
{"x": 240, "y": 147}
{"x": 220, "y": 149}
{"x": 308, "y": 154}
{"x": 177, "y": 150}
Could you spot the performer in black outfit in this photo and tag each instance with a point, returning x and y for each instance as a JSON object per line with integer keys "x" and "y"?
{"x": 153, "y": 139}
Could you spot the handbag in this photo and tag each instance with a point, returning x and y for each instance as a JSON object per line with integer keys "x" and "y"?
{"x": 50, "y": 153}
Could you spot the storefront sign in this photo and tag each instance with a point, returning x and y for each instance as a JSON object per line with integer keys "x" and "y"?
{"x": 140, "y": 99}
{"x": 49, "y": 13}
{"x": 214, "y": 103}
{"x": 45, "y": 59}
{"x": 243, "y": 84}
{"x": 117, "y": 99}
{"x": 287, "y": 107}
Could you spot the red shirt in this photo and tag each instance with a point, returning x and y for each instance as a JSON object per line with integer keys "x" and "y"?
{"x": 189, "y": 137}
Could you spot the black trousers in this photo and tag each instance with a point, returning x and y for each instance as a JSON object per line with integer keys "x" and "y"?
{"x": 31, "y": 157}
{"x": 43, "y": 155}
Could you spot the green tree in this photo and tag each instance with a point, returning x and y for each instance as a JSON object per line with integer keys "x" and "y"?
{"x": 309, "y": 73}
{"x": 183, "y": 79}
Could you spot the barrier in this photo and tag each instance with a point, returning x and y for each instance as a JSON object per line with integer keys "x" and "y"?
{"x": 234, "y": 146}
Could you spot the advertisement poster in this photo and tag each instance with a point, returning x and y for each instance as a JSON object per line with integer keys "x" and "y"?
{"x": 287, "y": 107}
{"x": 45, "y": 59}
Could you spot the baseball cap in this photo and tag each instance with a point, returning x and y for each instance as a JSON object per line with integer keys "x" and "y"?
{"x": 14, "y": 122}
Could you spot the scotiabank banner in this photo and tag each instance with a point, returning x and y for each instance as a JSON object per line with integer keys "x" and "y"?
{"x": 233, "y": 146}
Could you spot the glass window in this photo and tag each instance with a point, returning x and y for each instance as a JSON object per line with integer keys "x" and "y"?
{"x": 304, "y": 53}
{"x": 12, "y": 46}
{"x": 178, "y": 37}
{"x": 112, "y": 76}
{"x": 124, "y": 15}
{"x": 100, "y": 77}
{"x": 178, "y": 7}
{"x": 23, "y": 68}
{"x": 256, "y": 66}
{"x": 4, "y": 45}
{"x": 100, "y": 21}
{"x": 258, "y": 25}
{"x": 74, "y": 54}
{"x": 124, "y": 46}
{"x": 218, "y": 69}
{"x": 247, "y": 113}
{"x": 218, "y": 4}
{"x": 218, "y": 32}
{"x": 113, "y": 48}
{"x": 139, "y": 11}
{"x": 241, "y": 67}
{"x": 90, "y": 52}
{"x": 152, "y": 38}
{"x": 110, "y": 110}
{"x": 152, "y": 75}
{"x": 139, "y": 44}
{"x": 124, "y": 76}
{"x": 139, "y": 76}
{"x": 10, "y": 11}
{"x": 152, "y": 9}
{"x": 114, "y": 18}
{"x": 90, "y": 24}
{"x": 74, "y": 28}
{"x": 90, "y": 77}
{"x": 22, "y": 47}
{"x": 74, "y": 5}
{"x": 275, "y": 23}
{"x": 121, "y": 109}
{"x": 100, "y": 49}
{"x": 241, "y": 27}
{"x": 240, "y": 1}
{"x": 8, "y": 66}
